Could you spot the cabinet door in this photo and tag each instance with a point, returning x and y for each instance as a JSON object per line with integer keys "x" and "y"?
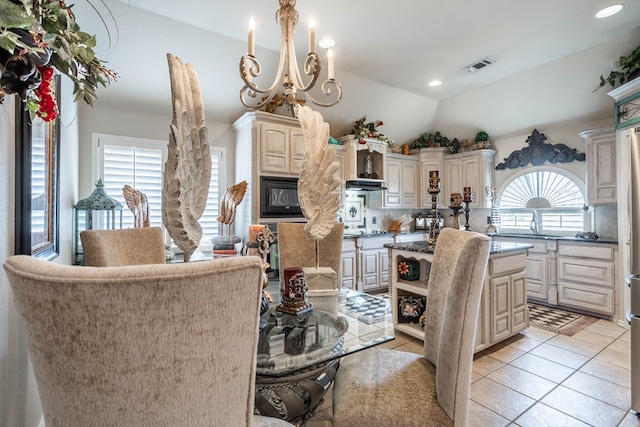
{"x": 297, "y": 151}
{"x": 601, "y": 169}
{"x": 500, "y": 313}
{"x": 427, "y": 166}
{"x": 348, "y": 270}
{"x": 393, "y": 178}
{"x": 340, "y": 158}
{"x": 520, "y": 312}
{"x": 383, "y": 257}
{"x": 369, "y": 265}
{"x": 274, "y": 141}
{"x": 538, "y": 276}
{"x": 409, "y": 185}
{"x": 452, "y": 182}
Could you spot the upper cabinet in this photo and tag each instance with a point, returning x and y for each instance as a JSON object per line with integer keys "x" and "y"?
{"x": 470, "y": 169}
{"x": 402, "y": 181}
{"x": 282, "y": 149}
{"x": 431, "y": 159}
{"x": 601, "y": 166}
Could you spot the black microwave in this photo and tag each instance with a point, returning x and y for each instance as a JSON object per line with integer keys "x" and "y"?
{"x": 279, "y": 197}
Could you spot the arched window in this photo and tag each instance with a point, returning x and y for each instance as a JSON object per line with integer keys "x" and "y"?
{"x": 542, "y": 202}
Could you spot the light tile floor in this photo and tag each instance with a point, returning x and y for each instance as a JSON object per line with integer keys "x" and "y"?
{"x": 540, "y": 378}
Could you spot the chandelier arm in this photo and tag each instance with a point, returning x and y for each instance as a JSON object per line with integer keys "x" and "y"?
{"x": 328, "y": 91}
{"x": 250, "y": 67}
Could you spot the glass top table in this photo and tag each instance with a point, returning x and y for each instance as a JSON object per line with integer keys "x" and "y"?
{"x": 299, "y": 355}
{"x": 337, "y": 326}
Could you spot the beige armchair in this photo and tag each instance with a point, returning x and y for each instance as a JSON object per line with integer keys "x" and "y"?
{"x": 297, "y": 250}
{"x": 147, "y": 345}
{"x": 387, "y": 387}
{"x": 128, "y": 246}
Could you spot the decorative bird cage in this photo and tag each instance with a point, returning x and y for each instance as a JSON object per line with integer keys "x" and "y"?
{"x": 97, "y": 212}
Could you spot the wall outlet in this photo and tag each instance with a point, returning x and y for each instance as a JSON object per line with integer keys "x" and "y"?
{"x": 374, "y": 220}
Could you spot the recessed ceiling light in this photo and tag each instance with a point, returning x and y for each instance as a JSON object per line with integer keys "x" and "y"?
{"x": 609, "y": 10}
{"x": 326, "y": 43}
{"x": 434, "y": 83}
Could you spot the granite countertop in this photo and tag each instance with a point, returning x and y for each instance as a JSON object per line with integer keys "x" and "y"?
{"x": 608, "y": 240}
{"x": 388, "y": 233}
{"x": 423, "y": 247}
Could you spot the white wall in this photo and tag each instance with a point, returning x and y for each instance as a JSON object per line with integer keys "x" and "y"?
{"x": 19, "y": 400}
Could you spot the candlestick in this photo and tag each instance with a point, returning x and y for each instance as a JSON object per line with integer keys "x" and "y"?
{"x": 455, "y": 214}
{"x": 331, "y": 72}
{"x": 312, "y": 35}
{"x": 252, "y": 37}
{"x": 467, "y": 227}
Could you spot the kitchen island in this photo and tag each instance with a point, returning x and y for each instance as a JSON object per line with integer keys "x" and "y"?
{"x": 503, "y": 307}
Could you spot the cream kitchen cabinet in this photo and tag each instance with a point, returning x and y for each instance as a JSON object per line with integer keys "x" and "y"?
{"x": 282, "y": 149}
{"x": 586, "y": 277}
{"x": 348, "y": 266}
{"x": 431, "y": 159}
{"x": 503, "y": 308}
{"x": 341, "y": 158}
{"x": 402, "y": 181}
{"x": 470, "y": 169}
{"x": 374, "y": 263}
{"x": 601, "y": 166}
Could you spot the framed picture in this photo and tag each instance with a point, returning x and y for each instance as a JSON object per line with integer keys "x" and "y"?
{"x": 37, "y": 192}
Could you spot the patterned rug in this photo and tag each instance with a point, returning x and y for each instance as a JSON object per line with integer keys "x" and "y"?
{"x": 368, "y": 308}
{"x": 557, "y": 320}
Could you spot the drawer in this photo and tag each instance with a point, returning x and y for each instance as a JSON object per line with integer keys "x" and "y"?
{"x": 507, "y": 264}
{"x": 374, "y": 242}
{"x": 586, "y": 271}
{"x": 605, "y": 253}
{"x": 348, "y": 244}
{"x": 585, "y": 297}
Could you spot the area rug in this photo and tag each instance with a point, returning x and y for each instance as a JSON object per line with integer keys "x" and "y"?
{"x": 561, "y": 321}
{"x": 367, "y": 308}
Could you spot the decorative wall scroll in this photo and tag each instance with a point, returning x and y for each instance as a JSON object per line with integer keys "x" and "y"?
{"x": 539, "y": 152}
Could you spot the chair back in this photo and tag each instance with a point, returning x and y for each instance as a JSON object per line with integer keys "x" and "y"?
{"x": 453, "y": 302}
{"x": 150, "y": 345}
{"x": 297, "y": 250}
{"x": 127, "y": 246}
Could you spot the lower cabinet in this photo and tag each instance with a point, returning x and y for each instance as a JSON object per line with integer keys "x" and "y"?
{"x": 374, "y": 263}
{"x": 348, "y": 276}
{"x": 586, "y": 277}
{"x": 503, "y": 307}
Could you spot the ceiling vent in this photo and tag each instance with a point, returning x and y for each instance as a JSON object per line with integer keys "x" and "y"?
{"x": 480, "y": 64}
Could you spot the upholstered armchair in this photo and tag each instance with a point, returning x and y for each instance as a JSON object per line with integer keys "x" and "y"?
{"x": 297, "y": 250}
{"x": 146, "y": 345}
{"x": 127, "y": 246}
{"x": 387, "y": 387}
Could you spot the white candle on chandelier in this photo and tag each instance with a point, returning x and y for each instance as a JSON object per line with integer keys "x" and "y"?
{"x": 330, "y": 70}
{"x": 312, "y": 35}
{"x": 252, "y": 37}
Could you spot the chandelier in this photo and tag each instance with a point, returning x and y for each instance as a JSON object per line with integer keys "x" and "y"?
{"x": 287, "y": 17}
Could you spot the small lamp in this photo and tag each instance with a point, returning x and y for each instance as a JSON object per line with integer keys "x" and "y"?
{"x": 97, "y": 212}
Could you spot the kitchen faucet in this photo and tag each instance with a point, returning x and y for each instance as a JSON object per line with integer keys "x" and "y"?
{"x": 534, "y": 223}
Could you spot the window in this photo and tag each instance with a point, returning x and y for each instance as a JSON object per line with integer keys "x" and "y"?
{"x": 542, "y": 202}
{"x": 140, "y": 164}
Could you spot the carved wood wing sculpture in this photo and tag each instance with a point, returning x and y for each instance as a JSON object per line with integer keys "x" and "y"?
{"x": 139, "y": 205}
{"x": 230, "y": 201}
{"x": 316, "y": 186}
{"x": 187, "y": 171}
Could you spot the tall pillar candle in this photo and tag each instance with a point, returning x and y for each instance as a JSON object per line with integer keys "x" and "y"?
{"x": 254, "y": 230}
{"x": 466, "y": 194}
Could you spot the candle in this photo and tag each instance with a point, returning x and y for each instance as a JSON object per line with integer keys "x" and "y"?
{"x": 254, "y": 230}
{"x": 466, "y": 194}
{"x": 433, "y": 179}
{"x": 252, "y": 37}
{"x": 455, "y": 199}
{"x": 312, "y": 35}
{"x": 331, "y": 73}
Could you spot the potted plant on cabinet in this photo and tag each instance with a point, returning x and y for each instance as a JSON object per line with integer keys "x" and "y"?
{"x": 629, "y": 70}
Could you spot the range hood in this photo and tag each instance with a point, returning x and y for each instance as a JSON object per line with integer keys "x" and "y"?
{"x": 365, "y": 185}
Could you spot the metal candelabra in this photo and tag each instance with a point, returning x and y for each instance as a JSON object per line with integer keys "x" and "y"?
{"x": 467, "y": 227}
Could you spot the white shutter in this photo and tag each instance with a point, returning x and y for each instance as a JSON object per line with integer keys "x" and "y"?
{"x": 140, "y": 164}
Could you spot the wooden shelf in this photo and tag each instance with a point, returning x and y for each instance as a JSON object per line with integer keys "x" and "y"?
{"x": 412, "y": 329}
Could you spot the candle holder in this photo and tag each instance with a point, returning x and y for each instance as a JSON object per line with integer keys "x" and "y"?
{"x": 467, "y": 227}
{"x": 434, "y": 227}
{"x": 293, "y": 293}
{"x": 455, "y": 214}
